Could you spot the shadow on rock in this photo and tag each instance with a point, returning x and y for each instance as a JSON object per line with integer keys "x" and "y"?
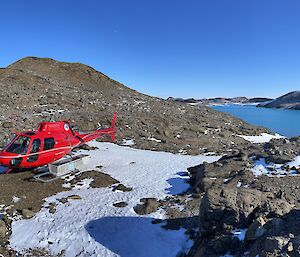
{"x": 179, "y": 184}
{"x": 139, "y": 236}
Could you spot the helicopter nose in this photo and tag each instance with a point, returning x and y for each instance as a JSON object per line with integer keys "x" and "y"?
{"x": 4, "y": 161}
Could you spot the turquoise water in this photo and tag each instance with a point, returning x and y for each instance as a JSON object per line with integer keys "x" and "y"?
{"x": 284, "y": 122}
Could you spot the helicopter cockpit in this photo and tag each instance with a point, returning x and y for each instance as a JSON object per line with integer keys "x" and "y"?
{"x": 19, "y": 145}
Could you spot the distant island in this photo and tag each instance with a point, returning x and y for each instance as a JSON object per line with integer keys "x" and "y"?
{"x": 287, "y": 101}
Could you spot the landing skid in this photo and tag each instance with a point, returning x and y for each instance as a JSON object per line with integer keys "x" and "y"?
{"x": 62, "y": 168}
{"x": 46, "y": 177}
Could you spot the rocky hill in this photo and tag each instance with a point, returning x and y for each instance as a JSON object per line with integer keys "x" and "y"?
{"x": 288, "y": 101}
{"x": 41, "y": 89}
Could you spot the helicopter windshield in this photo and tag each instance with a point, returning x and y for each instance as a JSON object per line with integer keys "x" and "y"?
{"x": 19, "y": 146}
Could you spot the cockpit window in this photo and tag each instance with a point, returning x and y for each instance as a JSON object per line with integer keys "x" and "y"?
{"x": 35, "y": 147}
{"x": 49, "y": 143}
{"x": 36, "y": 144}
{"x": 19, "y": 146}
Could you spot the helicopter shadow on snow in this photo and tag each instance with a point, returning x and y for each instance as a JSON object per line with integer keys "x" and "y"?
{"x": 139, "y": 236}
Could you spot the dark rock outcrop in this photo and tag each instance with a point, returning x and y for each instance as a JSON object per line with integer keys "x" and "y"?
{"x": 147, "y": 206}
{"x": 233, "y": 198}
{"x": 226, "y": 207}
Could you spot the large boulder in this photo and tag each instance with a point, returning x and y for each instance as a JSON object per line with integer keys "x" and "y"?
{"x": 281, "y": 150}
{"x": 149, "y": 205}
{"x": 225, "y": 206}
{"x": 205, "y": 175}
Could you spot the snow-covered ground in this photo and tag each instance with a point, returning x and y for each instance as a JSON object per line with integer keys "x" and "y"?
{"x": 92, "y": 226}
{"x": 263, "y": 138}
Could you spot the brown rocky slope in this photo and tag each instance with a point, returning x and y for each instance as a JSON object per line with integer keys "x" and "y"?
{"x": 41, "y": 89}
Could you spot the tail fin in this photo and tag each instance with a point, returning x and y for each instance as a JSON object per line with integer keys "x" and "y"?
{"x": 114, "y": 120}
{"x": 113, "y": 126}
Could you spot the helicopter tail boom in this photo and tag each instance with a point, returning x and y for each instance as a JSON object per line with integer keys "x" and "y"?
{"x": 100, "y": 132}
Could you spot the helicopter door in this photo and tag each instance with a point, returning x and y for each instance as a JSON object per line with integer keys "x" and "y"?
{"x": 35, "y": 147}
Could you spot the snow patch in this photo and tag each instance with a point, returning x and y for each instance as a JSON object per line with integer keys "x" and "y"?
{"x": 240, "y": 234}
{"x": 263, "y": 138}
{"x": 128, "y": 142}
{"x": 295, "y": 163}
{"x": 16, "y": 199}
{"x": 154, "y": 139}
{"x": 85, "y": 183}
{"x": 275, "y": 170}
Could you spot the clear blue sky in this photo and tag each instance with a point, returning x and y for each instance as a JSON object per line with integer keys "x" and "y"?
{"x": 164, "y": 48}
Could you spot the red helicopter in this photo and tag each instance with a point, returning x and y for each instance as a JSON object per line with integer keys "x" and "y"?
{"x": 49, "y": 143}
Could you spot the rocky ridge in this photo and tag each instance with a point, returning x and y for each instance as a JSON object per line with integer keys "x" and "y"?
{"x": 287, "y": 101}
